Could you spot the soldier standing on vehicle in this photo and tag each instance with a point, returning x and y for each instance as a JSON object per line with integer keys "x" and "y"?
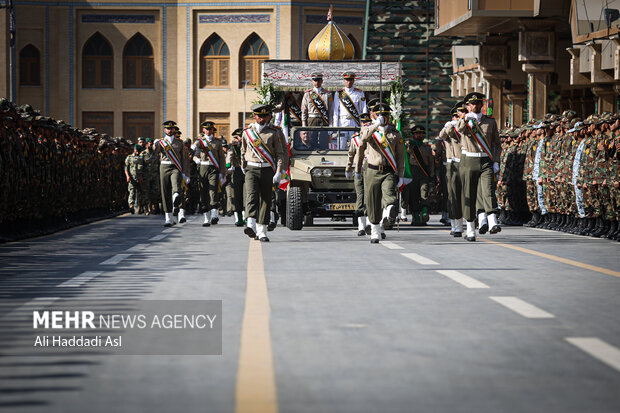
{"x": 316, "y": 105}
{"x": 383, "y": 145}
{"x": 349, "y": 103}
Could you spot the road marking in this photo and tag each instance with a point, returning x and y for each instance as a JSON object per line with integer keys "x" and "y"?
{"x": 167, "y": 230}
{"x": 115, "y": 259}
{"x": 598, "y": 349}
{"x": 521, "y": 307}
{"x": 34, "y": 304}
{"x": 256, "y": 383}
{"x": 463, "y": 279}
{"x": 555, "y": 258}
{"x": 419, "y": 259}
{"x": 139, "y": 247}
{"x": 81, "y": 279}
{"x": 157, "y": 237}
{"x": 391, "y": 245}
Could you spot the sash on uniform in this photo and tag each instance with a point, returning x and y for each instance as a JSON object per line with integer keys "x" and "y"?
{"x": 386, "y": 149}
{"x": 349, "y": 105}
{"x": 481, "y": 140}
{"x": 417, "y": 154}
{"x": 294, "y": 108}
{"x": 170, "y": 153}
{"x": 319, "y": 105}
{"x": 209, "y": 150}
{"x": 258, "y": 147}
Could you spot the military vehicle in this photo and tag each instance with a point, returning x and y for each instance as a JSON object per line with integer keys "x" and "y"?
{"x": 318, "y": 160}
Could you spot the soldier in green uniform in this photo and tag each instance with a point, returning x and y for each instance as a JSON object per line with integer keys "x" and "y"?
{"x": 237, "y": 178}
{"x": 134, "y": 167}
{"x": 174, "y": 163}
{"x": 261, "y": 159}
{"x": 208, "y": 151}
{"x": 150, "y": 193}
{"x": 363, "y": 228}
{"x": 481, "y": 148}
{"x": 422, "y": 174}
{"x": 383, "y": 145}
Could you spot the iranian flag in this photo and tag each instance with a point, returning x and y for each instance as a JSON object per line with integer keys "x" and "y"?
{"x": 407, "y": 178}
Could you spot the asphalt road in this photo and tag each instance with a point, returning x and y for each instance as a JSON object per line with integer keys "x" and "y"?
{"x": 320, "y": 320}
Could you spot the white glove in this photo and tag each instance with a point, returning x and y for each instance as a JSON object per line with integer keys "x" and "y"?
{"x": 276, "y": 178}
{"x": 495, "y": 167}
{"x": 470, "y": 115}
{"x": 453, "y": 122}
{"x": 378, "y": 121}
{"x": 401, "y": 182}
{"x": 231, "y": 169}
{"x": 186, "y": 179}
{"x": 347, "y": 174}
{"x": 243, "y": 170}
{"x": 358, "y": 176}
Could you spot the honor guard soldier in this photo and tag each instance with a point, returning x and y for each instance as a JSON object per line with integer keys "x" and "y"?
{"x": 174, "y": 161}
{"x": 261, "y": 159}
{"x": 208, "y": 152}
{"x": 422, "y": 173}
{"x": 360, "y": 205}
{"x": 383, "y": 145}
{"x": 316, "y": 105}
{"x": 349, "y": 103}
{"x": 480, "y": 147}
{"x": 134, "y": 169}
{"x": 233, "y": 163}
{"x": 452, "y": 140}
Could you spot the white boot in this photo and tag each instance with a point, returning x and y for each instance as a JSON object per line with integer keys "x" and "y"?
{"x": 272, "y": 221}
{"x": 214, "y": 218}
{"x": 375, "y": 230}
{"x": 176, "y": 201}
{"x": 382, "y": 231}
{"x": 494, "y": 227}
{"x": 243, "y": 214}
{"x": 168, "y": 222}
{"x": 261, "y": 232}
{"x": 250, "y": 229}
{"x": 459, "y": 225}
{"x": 403, "y": 214}
{"x": 471, "y": 231}
{"x": 238, "y": 221}
{"x": 452, "y": 226}
{"x": 361, "y": 223}
{"x": 272, "y": 217}
{"x": 483, "y": 224}
{"x": 207, "y": 221}
{"x": 182, "y": 216}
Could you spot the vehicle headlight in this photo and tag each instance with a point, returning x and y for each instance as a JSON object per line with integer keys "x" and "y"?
{"x": 327, "y": 173}
{"x": 316, "y": 172}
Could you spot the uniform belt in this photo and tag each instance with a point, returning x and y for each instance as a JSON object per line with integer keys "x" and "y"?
{"x": 259, "y": 164}
{"x": 166, "y": 162}
{"x": 381, "y": 168}
{"x": 206, "y": 163}
{"x": 475, "y": 154}
{"x": 450, "y": 160}
{"x": 314, "y": 115}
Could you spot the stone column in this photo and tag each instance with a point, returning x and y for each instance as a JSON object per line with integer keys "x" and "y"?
{"x": 517, "y": 101}
{"x": 536, "y": 51}
{"x": 494, "y": 89}
{"x": 606, "y": 99}
{"x": 537, "y": 83}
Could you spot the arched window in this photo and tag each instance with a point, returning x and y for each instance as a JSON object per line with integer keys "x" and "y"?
{"x": 214, "y": 62}
{"x": 138, "y": 63}
{"x": 254, "y": 52}
{"x": 30, "y": 66}
{"x": 97, "y": 63}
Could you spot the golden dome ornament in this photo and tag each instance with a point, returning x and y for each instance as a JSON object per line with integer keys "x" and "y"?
{"x": 331, "y": 43}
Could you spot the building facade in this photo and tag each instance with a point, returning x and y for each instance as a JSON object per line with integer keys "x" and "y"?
{"x": 124, "y": 68}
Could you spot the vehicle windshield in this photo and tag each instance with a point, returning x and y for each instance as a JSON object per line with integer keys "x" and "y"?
{"x": 317, "y": 140}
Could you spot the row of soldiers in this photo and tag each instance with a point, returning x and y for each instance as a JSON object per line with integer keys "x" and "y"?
{"x": 564, "y": 173}
{"x": 52, "y": 174}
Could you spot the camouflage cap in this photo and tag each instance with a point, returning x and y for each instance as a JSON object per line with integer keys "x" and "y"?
{"x": 590, "y": 120}
{"x": 568, "y": 115}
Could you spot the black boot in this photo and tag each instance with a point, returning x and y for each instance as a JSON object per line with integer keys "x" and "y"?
{"x": 597, "y": 226}
{"x": 562, "y": 223}
{"x": 533, "y": 219}
{"x": 591, "y": 225}
{"x": 603, "y": 228}
{"x": 544, "y": 221}
{"x": 613, "y": 227}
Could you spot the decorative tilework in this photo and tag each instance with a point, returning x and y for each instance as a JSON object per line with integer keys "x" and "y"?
{"x": 118, "y": 18}
{"x": 234, "y": 18}
{"x": 341, "y": 20}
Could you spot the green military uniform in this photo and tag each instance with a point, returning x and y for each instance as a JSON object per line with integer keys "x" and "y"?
{"x": 261, "y": 158}
{"x": 150, "y": 184}
{"x": 134, "y": 168}
{"x": 422, "y": 164}
{"x": 233, "y": 163}
{"x": 360, "y": 206}
{"x": 385, "y": 153}
{"x": 452, "y": 139}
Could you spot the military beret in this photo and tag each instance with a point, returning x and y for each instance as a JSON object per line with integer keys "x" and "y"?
{"x": 317, "y": 76}
{"x": 169, "y": 123}
{"x": 138, "y": 147}
{"x": 207, "y": 124}
{"x": 262, "y": 109}
{"x": 142, "y": 138}
{"x": 237, "y": 132}
{"x": 149, "y": 140}
{"x": 474, "y": 97}
{"x": 348, "y": 75}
